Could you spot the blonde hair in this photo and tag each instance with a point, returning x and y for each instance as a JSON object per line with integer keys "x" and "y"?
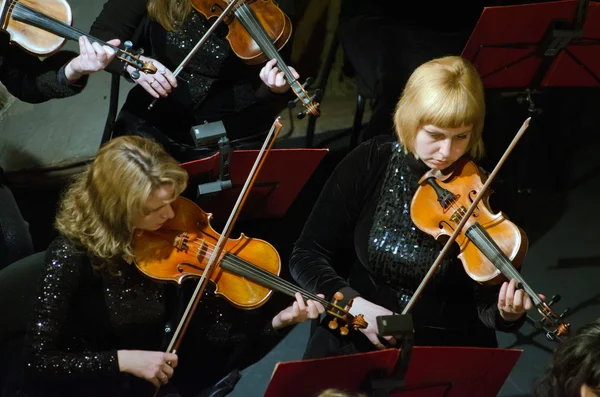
{"x": 169, "y": 13}
{"x": 447, "y": 93}
{"x": 97, "y": 210}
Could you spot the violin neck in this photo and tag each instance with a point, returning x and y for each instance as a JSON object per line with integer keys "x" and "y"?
{"x": 243, "y": 268}
{"x": 482, "y": 240}
{"x": 28, "y": 15}
{"x": 246, "y": 17}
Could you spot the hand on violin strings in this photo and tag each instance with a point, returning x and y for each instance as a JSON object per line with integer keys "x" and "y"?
{"x": 92, "y": 58}
{"x": 155, "y": 367}
{"x": 371, "y": 311}
{"x": 274, "y": 79}
{"x": 158, "y": 84}
{"x": 298, "y": 312}
{"x": 513, "y": 302}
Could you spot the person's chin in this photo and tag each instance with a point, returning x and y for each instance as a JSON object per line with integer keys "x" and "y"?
{"x": 438, "y": 165}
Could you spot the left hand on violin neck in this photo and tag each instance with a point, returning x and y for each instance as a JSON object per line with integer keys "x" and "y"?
{"x": 514, "y": 302}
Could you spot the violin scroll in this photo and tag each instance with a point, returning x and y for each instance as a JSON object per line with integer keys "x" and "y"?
{"x": 310, "y": 102}
{"x": 132, "y": 57}
{"x": 552, "y": 323}
{"x": 344, "y": 316}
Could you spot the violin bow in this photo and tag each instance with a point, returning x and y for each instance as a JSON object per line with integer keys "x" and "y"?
{"x": 465, "y": 218}
{"x": 216, "y": 254}
{"x": 231, "y": 7}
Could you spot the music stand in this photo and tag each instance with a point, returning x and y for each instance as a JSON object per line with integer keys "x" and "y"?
{"x": 432, "y": 372}
{"x": 533, "y": 48}
{"x": 281, "y": 178}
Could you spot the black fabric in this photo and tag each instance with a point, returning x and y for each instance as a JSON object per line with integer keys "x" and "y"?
{"x": 15, "y": 240}
{"x": 332, "y": 254}
{"x": 18, "y": 284}
{"x": 33, "y": 80}
{"x": 76, "y": 318}
{"x": 80, "y": 318}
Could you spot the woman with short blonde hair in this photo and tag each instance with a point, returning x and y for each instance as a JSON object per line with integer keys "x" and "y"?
{"x": 446, "y": 92}
{"x": 360, "y": 238}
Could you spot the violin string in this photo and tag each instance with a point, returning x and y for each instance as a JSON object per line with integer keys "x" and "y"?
{"x": 244, "y": 13}
{"x": 260, "y": 273}
{"x": 265, "y": 275}
{"x": 507, "y": 265}
{"x": 258, "y": 33}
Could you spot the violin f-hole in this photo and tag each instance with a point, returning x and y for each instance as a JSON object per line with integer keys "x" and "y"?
{"x": 472, "y": 195}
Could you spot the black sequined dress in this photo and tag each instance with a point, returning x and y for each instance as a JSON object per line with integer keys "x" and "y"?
{"x": 215, "y": 85}
{"x": 360, "y": 239}
{"x": 82, "y": 317}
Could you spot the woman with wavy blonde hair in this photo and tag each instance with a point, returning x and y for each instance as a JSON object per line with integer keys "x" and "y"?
{"x": 98, "y": 323}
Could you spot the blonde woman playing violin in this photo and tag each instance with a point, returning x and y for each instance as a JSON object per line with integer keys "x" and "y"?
{"x": 98, "y": 324}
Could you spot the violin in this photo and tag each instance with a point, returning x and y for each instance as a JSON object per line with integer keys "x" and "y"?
{"x": 246, "y": 273}
{"x": 258, "y": 29}
{"x": 492, "y": 248}
{"x": 41, "y": 27}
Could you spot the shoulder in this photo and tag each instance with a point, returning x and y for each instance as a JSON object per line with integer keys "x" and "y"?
{"x": 375, "y": 152}
{"x": 65, "y": 254}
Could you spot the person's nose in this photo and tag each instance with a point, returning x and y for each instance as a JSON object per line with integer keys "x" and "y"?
{"x": 446, "y": 148}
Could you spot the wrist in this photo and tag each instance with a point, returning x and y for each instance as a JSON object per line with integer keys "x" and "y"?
{"x": 71, "y": 74}
{"x": 276, "y": 323}
{"x": 510, "y": 317}
{"x": 122, "y": 360}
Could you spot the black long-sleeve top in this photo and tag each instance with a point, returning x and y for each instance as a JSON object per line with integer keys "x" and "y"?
{"x": 360, "y": 239}
{"x": 33, "y": 80}
{"x": 215, "y": 84}
{"x": 83, "y": 316}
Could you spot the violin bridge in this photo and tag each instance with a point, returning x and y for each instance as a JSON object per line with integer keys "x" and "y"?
{"x": 458, "y": 215}
{"x": 181, "y": 242}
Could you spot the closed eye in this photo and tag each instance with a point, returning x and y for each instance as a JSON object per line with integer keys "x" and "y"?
{"x": 435, "y": 135}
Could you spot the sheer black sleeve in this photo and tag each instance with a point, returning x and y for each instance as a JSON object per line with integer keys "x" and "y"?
{"x": 120, "y": 20}
{"x": 33, "y": 80}
{"x": 60, "y": 280}
{"x": 330, "y": 226}
{"x": 486, "y": 299}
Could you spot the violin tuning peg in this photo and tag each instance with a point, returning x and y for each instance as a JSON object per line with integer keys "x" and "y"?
{"x": 344, "y": 330}
{"x": 564, "y": 312}
{"x": 338, "y": 296}
{"x": 333, "y": 324}
{"x": 317, "y": 95}
{"x": 555, "y": 299}
{"x": 301, "y": 115}
{"x": 128, "y": 44}
{"x": 135, "y": 74}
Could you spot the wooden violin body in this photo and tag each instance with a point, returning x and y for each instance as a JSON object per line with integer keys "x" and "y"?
{"x": 274, "y": 22}
{"x": 438, "y": 206}
{"x": 182, "y": 247}
{"x": 455, "y": 202}
{"x": 29, "y": 37}
{"x": 245, "y": 275}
